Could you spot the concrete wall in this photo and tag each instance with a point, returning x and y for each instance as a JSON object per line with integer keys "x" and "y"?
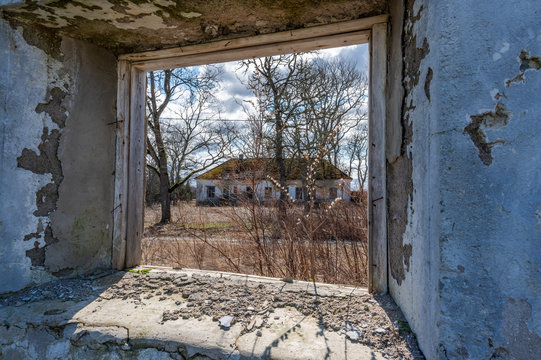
{"x": 56, "y": 156}
{"x": 465, "y": 186}
{"x": 412, "y": 187}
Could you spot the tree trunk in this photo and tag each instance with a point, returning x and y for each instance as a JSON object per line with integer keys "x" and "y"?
{"x": 279, "y": 159}
{"x": 165, "y": 195}
{"x": 165, "y": 198}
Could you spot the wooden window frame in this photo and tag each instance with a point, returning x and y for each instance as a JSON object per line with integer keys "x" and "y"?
{"x": 131, "y": 129}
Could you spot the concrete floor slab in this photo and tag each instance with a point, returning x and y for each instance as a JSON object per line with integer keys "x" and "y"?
{"x": 174, "y": 314}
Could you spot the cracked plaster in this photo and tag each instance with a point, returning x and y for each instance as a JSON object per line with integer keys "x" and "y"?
{"x": 52, "y": 136}
{"x": 131, "y": 26}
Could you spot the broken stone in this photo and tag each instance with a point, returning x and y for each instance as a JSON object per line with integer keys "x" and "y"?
{"x": 348, "y": 326}
{"x": 226, "y": 321}
{"x": 353, "y": 335}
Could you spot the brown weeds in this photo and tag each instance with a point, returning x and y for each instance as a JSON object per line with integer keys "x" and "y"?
{"x": 327, "y": 243}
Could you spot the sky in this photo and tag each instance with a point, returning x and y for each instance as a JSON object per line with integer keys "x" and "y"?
{"x": 233, "y": 92}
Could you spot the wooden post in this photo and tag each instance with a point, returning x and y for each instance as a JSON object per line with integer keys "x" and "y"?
{"x": 121, "y": 169}
{"x": 136, "y": 172}
{"x": 377, "y": 197}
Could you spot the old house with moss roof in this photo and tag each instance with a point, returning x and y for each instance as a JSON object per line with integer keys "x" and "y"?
{"x": 256, "y": 179}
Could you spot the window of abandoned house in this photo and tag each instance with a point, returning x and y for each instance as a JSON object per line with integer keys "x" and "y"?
{"x": 333, "y": 193}
{"x": 289, "y": 128}
{"x": 249, "y": 193}
{"x": 268, "y": 193}
{"x": 298, "y": 193}
{"x": 226, "y": 192}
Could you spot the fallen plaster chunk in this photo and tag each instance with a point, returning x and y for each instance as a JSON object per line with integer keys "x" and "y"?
{"x": 226, "y": 321}
{"x": 353, "y": 335}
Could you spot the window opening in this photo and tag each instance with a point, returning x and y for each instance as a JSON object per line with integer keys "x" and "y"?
{"x": 333, "y": 193}
{"x": 224, "y": 145}
{"x": 226, "y": 193}
{"x": 249, "y": 193}
{"x": 298, "y": 193}
{"x": 268, "y": 193}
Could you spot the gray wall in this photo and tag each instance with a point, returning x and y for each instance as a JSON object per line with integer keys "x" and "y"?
{"x": 411, "y": 178}
{"x": 465, "y": 189}
{"x": 56, "y": 156}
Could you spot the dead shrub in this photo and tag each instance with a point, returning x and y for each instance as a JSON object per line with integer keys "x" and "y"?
{"x": 328, "y": 244}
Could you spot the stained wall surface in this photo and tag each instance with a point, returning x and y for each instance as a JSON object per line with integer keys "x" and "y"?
{"x": 132, "y": 25}
{"x": 465, "y": 187}
{"x": 56, "y": 156}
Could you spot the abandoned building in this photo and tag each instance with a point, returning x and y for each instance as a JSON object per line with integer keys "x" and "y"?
{"x": 454, "y": 147}
{"x": 255, "y": 179}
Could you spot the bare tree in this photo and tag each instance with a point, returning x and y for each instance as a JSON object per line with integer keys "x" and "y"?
{"x": 179, "y": 147}
{"x": 274, "y": 81}
{"x": 356, "y": 151}
{"x": 305, "y": 101}
{"x": 334, "y": 94}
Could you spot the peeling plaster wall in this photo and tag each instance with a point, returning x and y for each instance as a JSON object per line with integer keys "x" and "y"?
{"x": 472, "y": 131}
{"x": 56, "y": 156}
{"x": 412, "y": 172}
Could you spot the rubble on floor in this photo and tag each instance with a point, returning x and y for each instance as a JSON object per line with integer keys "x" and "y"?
{"x": 192, "y": 314}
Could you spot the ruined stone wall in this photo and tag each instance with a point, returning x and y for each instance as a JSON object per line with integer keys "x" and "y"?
{"x": 56, "y": 156}
{"x": 464, "y": 191}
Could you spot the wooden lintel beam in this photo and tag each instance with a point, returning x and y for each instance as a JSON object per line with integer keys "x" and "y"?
{"x": 265, "y": 39}
{"x": 304, "y": 45}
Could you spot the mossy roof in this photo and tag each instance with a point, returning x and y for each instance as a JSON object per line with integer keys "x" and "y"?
{"x": 296, "y": 169}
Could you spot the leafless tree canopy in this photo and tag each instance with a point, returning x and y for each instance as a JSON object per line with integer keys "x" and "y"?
{"x": 190, "y": 141}
{"x": 304, "y": 105}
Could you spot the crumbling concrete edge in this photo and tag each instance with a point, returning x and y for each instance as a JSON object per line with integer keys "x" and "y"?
{"x": 74, "y": 339}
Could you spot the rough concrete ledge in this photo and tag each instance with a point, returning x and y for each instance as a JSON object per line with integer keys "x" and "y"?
{"x": 193, "y": 314}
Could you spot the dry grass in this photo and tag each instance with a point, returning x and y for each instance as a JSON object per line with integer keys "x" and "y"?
{"x": 326, "y": 244}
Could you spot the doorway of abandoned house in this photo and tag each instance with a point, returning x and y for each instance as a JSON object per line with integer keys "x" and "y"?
{"x": 259, "y": 166}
